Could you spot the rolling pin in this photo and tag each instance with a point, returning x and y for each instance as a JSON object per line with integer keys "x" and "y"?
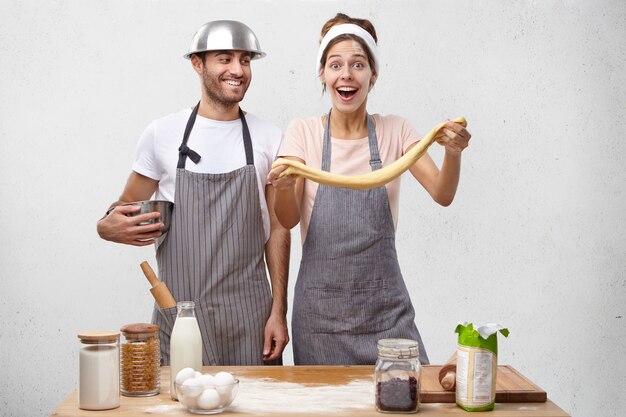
{"x": 159, "y": 290}
{"x": 447, "y": 374}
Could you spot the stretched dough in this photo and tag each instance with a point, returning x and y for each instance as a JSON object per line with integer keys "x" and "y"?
{"x": 371, "y": 179}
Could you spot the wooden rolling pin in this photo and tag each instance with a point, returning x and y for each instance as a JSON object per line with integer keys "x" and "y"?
{"x": 447, "y": 374}
{"x": 159, "y": 290}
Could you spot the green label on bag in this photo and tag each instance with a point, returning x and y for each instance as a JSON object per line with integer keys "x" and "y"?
{"x": 468, "y": 336}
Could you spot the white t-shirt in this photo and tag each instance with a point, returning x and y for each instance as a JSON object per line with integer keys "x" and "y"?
{"x": 219, "y": 143}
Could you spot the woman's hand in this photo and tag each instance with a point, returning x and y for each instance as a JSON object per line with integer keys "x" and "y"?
{"x": 284, "y": 183}
{"x": 454, "y": 138}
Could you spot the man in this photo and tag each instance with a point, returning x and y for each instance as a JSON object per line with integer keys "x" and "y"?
{"x": 212, "y": 162}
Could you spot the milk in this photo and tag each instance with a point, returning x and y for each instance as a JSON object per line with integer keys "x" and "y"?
{"x": 185, "y": 346}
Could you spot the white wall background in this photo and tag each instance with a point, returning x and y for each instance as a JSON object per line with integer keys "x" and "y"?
{"x": 534, "y": 239}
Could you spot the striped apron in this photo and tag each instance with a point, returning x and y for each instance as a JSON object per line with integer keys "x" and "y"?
{"x": 213, "y": 255}
{"x": 350, "y": 292}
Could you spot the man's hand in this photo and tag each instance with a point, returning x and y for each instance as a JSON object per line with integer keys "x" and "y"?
{"x": 276, "y": 337}
{"x": 118, "y": 227}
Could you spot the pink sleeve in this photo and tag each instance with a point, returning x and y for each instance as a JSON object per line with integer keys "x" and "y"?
{"x": 293, "y": 141}
{"x": 408, "y": 133}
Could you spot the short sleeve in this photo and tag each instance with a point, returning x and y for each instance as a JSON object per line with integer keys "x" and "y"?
{"x": 408, "y": 133}
{"x": 268, "y": 153}
{"x": 145, "y": 157}
{"x": 293, "y": 143}
{"x": 276, "y": 140}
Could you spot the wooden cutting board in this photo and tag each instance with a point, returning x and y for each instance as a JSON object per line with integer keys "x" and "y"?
{"x": 511, "y": 387}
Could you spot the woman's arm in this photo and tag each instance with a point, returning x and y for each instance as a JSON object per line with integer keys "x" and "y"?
{"x": 442, "y": 184}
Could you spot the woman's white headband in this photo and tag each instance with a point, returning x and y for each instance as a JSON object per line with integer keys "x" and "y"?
{"x": 347, "y": 28}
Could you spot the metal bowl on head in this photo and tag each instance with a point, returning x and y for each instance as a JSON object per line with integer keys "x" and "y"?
{"x": 225, "y": 35}
{"x": 163, "y": 207}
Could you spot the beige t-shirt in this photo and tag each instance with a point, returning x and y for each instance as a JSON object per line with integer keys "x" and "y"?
{"x": 304, "y": 139}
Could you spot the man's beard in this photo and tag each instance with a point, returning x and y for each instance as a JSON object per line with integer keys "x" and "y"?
{"x": 215, "y": 91}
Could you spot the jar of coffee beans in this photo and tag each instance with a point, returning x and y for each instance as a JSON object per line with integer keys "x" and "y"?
{"x": 397, "y": 376}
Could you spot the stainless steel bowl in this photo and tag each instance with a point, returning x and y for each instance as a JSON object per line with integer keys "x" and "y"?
{"x": 225, "y": 35}
{"x": 164, "y": 208}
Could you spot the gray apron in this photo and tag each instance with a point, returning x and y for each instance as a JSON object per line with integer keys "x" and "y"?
{"x": 213, "y": 255}
{"x": 350, "y": 292}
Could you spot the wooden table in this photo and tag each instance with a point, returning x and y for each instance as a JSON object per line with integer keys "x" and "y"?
{"x": 320, "y": 378}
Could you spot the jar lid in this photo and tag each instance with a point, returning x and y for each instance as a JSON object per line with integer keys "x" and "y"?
{"x": 398, "y": 348}
{"x": 138, "y": 328}
{"x": 99, "y": 337}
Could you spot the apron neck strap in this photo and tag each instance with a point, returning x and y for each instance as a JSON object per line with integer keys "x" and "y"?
{"x": 375, "y": 161}
{"x": 247, "y": 140}
{"x": 184, "y": 151}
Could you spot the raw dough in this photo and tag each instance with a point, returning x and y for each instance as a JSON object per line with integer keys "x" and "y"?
{"x": 371, "y": 179}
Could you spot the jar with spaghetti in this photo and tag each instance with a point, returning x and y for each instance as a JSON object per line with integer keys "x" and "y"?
{"x": 140, "y": 372}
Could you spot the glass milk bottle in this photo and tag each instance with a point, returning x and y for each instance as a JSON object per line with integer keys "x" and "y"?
{"x": 99, "y": 371}
{"x": 185, "y": 343}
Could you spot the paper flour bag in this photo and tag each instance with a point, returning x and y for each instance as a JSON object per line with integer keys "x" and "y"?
{"x": 477, "y": 366}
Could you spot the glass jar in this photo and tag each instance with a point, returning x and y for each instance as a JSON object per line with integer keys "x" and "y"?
{"x": 140, "y": 360}
{"x": 99, "y": 371}
{"x": 397, "y": 376}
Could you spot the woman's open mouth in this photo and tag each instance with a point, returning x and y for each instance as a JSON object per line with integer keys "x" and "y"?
{"x": 347, "y": 92}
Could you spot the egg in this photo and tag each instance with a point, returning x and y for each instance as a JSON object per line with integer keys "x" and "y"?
{"x": 224, "y": 378}
{"x": 207, "y": 380}
{"x": 224, "y": 385}
{"x": 224, "y": 391}
{"x": 189, "y": 402}
{"x": 185, "y": 374}
{"x": 192, "y": 387}
{"x": 226, "y": 396}
{"x": 209, "y": 399}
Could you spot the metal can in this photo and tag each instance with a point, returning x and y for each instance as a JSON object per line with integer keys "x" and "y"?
{"x": 99, "y": 371}
{"x": 140, "y": 372}
{"x": 397, "y": 376}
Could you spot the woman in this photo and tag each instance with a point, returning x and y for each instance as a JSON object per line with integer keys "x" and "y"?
{"x": 350, "y": 292}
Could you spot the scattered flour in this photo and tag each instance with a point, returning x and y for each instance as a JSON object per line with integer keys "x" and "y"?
{"x": 267, "y": 395}
{"x": 173, "y": 409}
